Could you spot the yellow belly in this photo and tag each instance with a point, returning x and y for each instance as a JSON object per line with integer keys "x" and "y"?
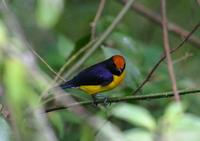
{"x": 94, "y": 89}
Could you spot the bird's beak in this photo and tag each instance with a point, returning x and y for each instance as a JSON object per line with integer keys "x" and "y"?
{"x": 120, "y": 70}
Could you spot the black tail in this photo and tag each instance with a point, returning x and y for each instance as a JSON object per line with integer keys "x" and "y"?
{"x": 67, "y": 85}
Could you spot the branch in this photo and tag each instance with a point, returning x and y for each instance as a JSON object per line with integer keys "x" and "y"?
{"x": 97, "y": 17}
{"x": 127, "y": 98}
{"x": 167, "y": 50}
{"x": 186, "y": 56}
{"x": 162, "y": 58}
{"x": 156, "y": 18}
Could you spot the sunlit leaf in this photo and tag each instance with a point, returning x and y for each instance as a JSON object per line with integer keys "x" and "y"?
{"x": 138, "y": 134}
{"x": 48, "y": 12}
{"x": 173, "y": 113}
{"x": 184, "y": 128}
{"x": 15, "y": 80}
{"x": 189, "y": 122}
{"x": 135, "y": 115}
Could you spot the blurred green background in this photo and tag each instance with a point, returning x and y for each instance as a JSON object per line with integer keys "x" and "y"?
{"x": 57, "y": 30}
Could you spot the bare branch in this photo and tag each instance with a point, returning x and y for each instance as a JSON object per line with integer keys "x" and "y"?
{"x": 127, "y": 98}
{"x": 156, "y": 18}
{"x": 96, "y": 19}
{"x": 167, "y": 50}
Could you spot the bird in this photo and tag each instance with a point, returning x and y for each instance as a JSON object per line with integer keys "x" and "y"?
{"x": 100, "y": 77}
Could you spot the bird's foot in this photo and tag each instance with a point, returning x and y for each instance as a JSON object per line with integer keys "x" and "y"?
{"x": 106, "y": 102}
{"x": 104, "y": 98}
{"x": 95, "y": 103}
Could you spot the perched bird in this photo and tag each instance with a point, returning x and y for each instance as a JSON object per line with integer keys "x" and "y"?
{"x": 100, "y": 77}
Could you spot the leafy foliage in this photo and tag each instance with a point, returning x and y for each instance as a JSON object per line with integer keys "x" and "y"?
{"x": 57, "y": 30}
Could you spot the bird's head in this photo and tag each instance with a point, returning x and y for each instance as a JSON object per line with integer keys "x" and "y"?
{"x": 119, "y": 64}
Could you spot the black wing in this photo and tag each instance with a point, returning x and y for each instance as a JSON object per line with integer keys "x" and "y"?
{"x": 95, "y": 75}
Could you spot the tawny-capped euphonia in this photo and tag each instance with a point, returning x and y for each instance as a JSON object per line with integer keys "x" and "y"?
{"x": 100, "y": 77}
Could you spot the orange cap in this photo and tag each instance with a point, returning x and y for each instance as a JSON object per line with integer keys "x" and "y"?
{"x": 119, "y": 61}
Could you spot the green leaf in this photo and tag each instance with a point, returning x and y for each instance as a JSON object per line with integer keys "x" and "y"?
{"x": 57, "y": 121}
{"x": 107, "y": 131}
{"x": 71, "y": 117}
{"x": 108, "y": 52}
{"x": 189, "y": 122}
{"x": 5, "y": 130}
{"x": 65, "y": 46}
{"x": 3, "y": 33}
{"x": 48, "y": 12}
{"x": 135, "y": 115}
{"x": 185, "y": 128}
{"x": 15, "y": 82}
{"x": 135, "y": 134}
{"x": 87, "y": 133}
{"x": 122, "y": 40}
{"x": 173, "y": 112}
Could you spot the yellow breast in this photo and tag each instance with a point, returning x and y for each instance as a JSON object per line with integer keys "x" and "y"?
{"x": 94, "y": 89}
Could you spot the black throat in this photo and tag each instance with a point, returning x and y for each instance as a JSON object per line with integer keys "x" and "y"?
{"x": 112, "y": 68}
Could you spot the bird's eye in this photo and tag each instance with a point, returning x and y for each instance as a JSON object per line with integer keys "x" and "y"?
{"x": 119, "y": 71}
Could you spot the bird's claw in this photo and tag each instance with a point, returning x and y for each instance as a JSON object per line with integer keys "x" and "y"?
{"x": 95, "y": 103}
{"x": 105, "y": 100}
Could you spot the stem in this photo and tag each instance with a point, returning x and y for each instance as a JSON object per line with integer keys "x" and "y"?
{"x": 156, "y": 18}
{"x": 127, "y": 98}
{"x": 167, "y": 50}
{"x": 97, "y": 17}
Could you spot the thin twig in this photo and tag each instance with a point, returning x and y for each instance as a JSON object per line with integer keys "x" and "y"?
{"x": 156, "y": 18}
{"x": 57, "y": 75}
{"x": 102, "y": 38}
{"x": 198, "y": 1}
{"x": 183, "y": 58}
{"x": 162, "y": 58}
{"x": 167, "y": 50}
{"x": 127, "y": 98}
{"x": 96, "y": 19}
